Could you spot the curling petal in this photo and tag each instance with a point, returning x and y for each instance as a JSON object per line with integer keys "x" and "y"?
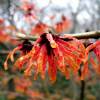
{"x": 12, "y": 53}
{"x": 85, "y": 71}
{"x": 52, "y": 70}
{"x": 59, "y": 59}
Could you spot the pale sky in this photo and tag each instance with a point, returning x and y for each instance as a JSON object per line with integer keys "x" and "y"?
{"x": 59, "y": 3}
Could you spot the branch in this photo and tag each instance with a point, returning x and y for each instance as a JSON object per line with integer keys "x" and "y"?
{"x": 85, "y": 35}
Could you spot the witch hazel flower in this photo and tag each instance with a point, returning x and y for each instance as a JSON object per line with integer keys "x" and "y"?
{"x": 97, "y": 50}
{"x": 24, "y": 47}
{"x": 95, "y": 47}
{"x": 51, "y": 53}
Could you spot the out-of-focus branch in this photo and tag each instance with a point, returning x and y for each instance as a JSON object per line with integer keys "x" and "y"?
{"x": 4, "y": 52}
{"x": 85, "y": 35}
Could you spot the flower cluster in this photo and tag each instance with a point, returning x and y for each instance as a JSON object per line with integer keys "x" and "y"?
{"x": 24, "y": 47}
{"x": 64, "y": 25}
{"x": 51, "y": 53}
{"x": 95, "y": 47}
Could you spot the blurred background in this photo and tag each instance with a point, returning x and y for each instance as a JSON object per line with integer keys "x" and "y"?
{"x": 33, "y": 17}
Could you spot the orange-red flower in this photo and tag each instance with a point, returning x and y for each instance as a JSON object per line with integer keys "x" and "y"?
{"x": 39, "y": 28}
{"x": 29, "y": 10}
{"x": 25, "y": 47}
{"x": 96, "y": 48}
{"x": 64, "y": 25}
{"x": 51, "y": 53}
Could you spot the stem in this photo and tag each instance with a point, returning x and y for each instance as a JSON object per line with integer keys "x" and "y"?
{"x": 85, "y": 35}
{"x": 82, "y": 90}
